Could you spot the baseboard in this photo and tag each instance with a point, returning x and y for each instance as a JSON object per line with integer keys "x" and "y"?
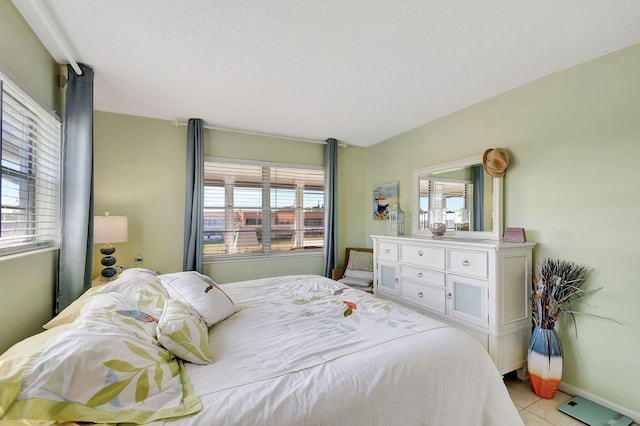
{"x": 572, "y": 390}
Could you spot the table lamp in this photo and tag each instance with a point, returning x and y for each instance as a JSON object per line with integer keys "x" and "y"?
{"x": 107, "y": 230}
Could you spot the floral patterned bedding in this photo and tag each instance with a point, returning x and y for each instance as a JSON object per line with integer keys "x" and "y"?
{"x": 105, "y": 366}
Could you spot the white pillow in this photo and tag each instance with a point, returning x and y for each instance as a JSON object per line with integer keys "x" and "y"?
{"x": 201, "y": 293}
{"x": 184, "y": 333}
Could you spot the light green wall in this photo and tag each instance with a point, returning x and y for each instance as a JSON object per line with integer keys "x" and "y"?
{"x": 574, "y": 138}
{"x": 354, "y": 200}
{"x": 27, "y": 281}
{"x": 139, "y": 169}
{"x": 26, "y": 60}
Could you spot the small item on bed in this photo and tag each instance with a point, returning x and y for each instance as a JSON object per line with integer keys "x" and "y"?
{"x": 138, "y": 315}
{"x": 350, "y": 308}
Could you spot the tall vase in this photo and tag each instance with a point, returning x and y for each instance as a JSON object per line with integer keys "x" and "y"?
{"x": 544, "y": 362}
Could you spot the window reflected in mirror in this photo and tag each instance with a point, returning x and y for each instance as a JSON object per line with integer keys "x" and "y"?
{"x": 462, "y": 194}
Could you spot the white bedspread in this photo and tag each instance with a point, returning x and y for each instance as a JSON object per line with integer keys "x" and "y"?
{"x": 290, "y": 356}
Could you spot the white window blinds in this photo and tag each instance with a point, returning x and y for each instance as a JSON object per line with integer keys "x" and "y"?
{"x": 454, "y": 196}
{"x": 261, "y": 208}
{"x": 30, "y": 171}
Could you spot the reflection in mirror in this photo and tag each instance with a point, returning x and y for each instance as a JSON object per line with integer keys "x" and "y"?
{"x": 463, "y": 196}
{"x": 470, "y": 199}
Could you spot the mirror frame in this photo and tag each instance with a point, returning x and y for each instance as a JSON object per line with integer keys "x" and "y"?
{"x": 496, "y": 202}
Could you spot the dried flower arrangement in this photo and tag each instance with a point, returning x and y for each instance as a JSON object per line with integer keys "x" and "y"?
{"x": 556, "y": 288}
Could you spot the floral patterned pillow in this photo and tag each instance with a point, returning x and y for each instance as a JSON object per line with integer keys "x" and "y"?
{"x": 184, "y": 333}
{"x": 106, "y": 367}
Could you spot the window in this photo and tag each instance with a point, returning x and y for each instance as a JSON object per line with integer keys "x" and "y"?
{"x": 453, "y": 195}
{"x": 30, "y": 171}
{"x": 257, "y": 208}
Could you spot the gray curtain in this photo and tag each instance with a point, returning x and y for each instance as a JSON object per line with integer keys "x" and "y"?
{"x": 193, "y": 220}
{"x": 76, "y": 250}
{"x": 330, "y": 206}
{"x": 478, "y": 197}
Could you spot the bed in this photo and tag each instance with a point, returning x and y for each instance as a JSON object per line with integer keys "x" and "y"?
{"x": 177, "y": 349}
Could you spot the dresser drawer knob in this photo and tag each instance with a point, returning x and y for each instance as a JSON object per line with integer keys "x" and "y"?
{"x": 466, "y": 263}
{"x": 420, "y": 253}
{"x": 387, "y": 251}
{"x": 419, "y": 274}
{"x": 449, "y": 295}
{"x": 420, "y": 294}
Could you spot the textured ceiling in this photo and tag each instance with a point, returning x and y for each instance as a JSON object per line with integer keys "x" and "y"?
{"x": 359, "y": 71}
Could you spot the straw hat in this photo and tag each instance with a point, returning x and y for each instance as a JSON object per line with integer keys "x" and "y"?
{"x": 495, "y": 162}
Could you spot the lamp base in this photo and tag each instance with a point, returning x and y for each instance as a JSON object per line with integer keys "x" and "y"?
{"x": 109, "y": 272}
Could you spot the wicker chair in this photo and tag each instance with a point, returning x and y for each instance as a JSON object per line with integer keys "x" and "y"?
{"x": 355, "y": 279}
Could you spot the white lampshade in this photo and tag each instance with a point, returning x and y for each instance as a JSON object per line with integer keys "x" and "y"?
{"x": 109, "y": 229}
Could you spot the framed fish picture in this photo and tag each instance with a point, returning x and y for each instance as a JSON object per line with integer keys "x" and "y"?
{"x": 385, "y": 200}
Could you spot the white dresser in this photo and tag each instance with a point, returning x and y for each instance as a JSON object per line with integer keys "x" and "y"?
{"x": 480, "y": 286}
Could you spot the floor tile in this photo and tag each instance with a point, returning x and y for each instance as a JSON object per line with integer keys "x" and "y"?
{"x": 520, "y": 392}
{"x": 531, "y": 419}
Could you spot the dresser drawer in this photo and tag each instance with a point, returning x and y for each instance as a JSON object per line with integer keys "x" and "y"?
{"x": 469, "y": 262}
{"x": 426, "y": 296}
{"x": 423, "y": 275}
{"x": 431, "y": 257}
{"x": 388, "y": 251}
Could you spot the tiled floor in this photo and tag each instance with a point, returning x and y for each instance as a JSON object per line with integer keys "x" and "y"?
{"x": 536, "y": 411}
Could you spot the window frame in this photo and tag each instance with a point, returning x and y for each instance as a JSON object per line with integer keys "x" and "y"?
{"x": 268, "y": 212}
{"x": 31, "y": 161}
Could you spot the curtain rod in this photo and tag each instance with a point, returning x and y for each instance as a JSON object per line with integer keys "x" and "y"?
{"x": 54, "y": 31}
{"x": 246, "y": 132}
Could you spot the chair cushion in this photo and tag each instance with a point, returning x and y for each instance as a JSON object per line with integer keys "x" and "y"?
{"x": 360, "y": 268}
{"x": 356, "y": 282}
{"x": 363, "y": 275}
